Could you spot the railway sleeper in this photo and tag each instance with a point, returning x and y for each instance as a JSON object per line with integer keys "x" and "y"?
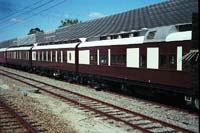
{"x": 142, "y": 122}
{"x": 107, "y": 110}
{"x": 119, "y": 114}
{"x": 151, "y": 126}
{"x": 162, "y": 130}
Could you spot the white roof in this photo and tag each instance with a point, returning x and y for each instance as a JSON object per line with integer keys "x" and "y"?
{"x": 123, "y": 41}
{"x": 179, "y": 36}
{"x": 19, "y": 48}
{"x": 56, "y": 46}
{"x": 2, "y": 49}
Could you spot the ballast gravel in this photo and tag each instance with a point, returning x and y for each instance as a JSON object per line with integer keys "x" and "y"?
{"x": 182, "y": 119}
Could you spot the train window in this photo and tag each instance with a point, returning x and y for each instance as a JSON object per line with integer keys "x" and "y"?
{"x": 70, "y": 56}
{"x": 16, "y": 55}
{"x": 20, "y": 55}
{"x": 65, "y": 56}
{"x": 103, "y": 59}
{"x": 118, "y": 59}
{"x": 44, "y": 56}
{"x": 143, "y": 61}
{"x": 34, "y": 55}
{"x": 27, "y": 55}
{"x": 93, "y": 58}
{"x": 41, "y": 56}
{"x": 151, "y": 35}
{"x": 43, "y": 53}
{"x": 162, "y": 61}
{"x": 8, "y": 54}
{"x": 38, "y": 55}
{"x": 56, "y": 56}
{"x": 24, "y": 56}
{"x": 59, "y": 56}
{"x": 49, "y": 56}
{"x": 172, "y": 59}
{"x": 53, "y": 56}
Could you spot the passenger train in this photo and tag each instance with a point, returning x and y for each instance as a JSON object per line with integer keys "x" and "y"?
{"x": 142, "y": 61}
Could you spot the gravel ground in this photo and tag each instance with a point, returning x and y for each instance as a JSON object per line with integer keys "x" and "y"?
{"x": 47, "y": 122}
{"x": 182, "y": 119}
{"x": 52, "y": 114}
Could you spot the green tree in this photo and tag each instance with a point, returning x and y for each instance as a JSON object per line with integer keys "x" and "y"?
{"x": 35, "y": 30}
{"x": 68, "y": 22}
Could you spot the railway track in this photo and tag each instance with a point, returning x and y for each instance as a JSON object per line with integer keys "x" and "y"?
{"x": 11, "y": 121}
{"x": 156, "y": 104}
{"x": 135, "y": 121}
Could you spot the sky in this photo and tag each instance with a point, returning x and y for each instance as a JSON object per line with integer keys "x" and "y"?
{"x": 17, "y": 17}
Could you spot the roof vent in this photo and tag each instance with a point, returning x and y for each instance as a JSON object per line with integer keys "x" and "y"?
{"x": 144, "y": 29}
{"x": 108, "y": 38}
{"x": 131, "y": 35}
{"x": 119, "y": 36}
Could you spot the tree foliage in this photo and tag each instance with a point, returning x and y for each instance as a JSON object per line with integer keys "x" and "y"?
{"x": 68, "y": 22}
{"x": 35, "y": 30}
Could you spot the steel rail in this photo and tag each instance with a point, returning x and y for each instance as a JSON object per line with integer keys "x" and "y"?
{"x": 19, "y": 118}
{"x": 104, "y": 103}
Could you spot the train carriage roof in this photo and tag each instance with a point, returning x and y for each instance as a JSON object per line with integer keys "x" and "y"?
{"x": 162, "y": 14}
{"x": 20, "y": 48}
{"x": 2, "y": 49}
{"x": 56, "y": 46}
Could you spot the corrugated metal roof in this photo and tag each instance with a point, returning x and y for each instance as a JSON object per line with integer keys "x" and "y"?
{"x": 162, "y": 14}
{"x": 8, "y": 43}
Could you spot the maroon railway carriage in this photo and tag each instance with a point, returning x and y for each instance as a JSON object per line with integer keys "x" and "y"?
{"x": 3, "y": 56}
{"x": 20, "y": 56}
{"x": 56, "y": 58}
{"x": 151, "y": 58}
